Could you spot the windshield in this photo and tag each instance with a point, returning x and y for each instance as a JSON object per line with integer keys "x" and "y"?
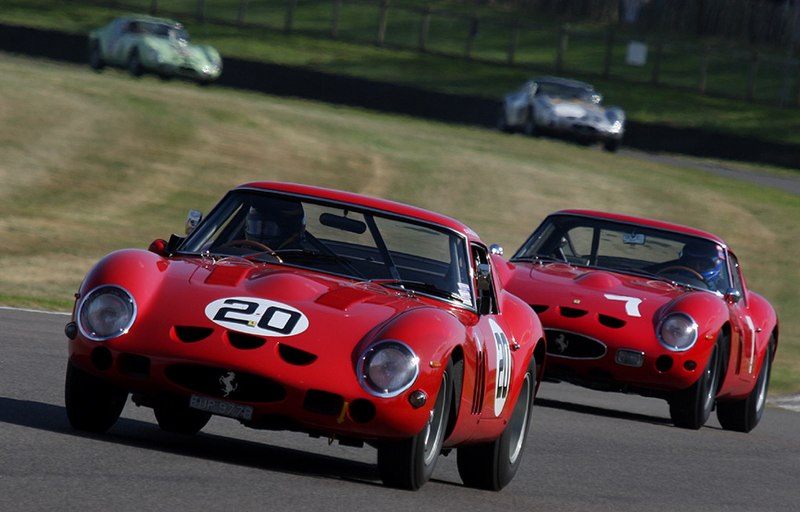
{"x": 619, "y": 246}
{"x": 345, "y": 240}
{"x": 564, "y": 92}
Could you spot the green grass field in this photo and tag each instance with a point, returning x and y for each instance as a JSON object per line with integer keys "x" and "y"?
{"x": 354, "y": 53}
{"x": 96, "y": 162}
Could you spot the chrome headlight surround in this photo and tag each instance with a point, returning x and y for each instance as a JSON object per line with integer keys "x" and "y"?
{"x": 387, "y": 368}
{"x": 106, "y": 312}
{"x": 677, "y": 332}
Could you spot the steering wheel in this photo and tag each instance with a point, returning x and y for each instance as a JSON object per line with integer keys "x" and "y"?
{"x": 682, "y": 268}
{"x": 262, "y": 248}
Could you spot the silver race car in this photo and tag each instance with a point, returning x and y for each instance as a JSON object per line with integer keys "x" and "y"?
{"x": 562, "y": 107}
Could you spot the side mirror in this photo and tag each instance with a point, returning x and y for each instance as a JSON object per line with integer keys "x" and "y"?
{"x": 193, "y": 218}
{"x": 733, "y": 296}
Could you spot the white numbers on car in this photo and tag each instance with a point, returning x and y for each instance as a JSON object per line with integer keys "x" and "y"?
{"x": 631, "y": 303}
{"x": 261, "y": 317}
{"x": 503, "y": 361}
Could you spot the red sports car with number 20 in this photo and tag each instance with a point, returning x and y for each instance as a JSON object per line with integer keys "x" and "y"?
{"x": 641, "y": 306}
{"x": 300, "y": 308}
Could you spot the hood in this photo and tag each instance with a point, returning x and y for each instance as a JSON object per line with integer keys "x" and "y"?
{"x": 613, "y": 295}
{"x": 297, "y": 307}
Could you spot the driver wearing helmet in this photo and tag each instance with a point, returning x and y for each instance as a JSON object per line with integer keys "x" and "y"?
{"x": 708, "y": 260}
{"x": 276, "y": 223}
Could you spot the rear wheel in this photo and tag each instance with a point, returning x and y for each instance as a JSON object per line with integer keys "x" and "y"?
{"x": 409, "y": 463}
{"x": 744, "y": 415}
{"x": 529, "y": 128}
{"x": 493, "y": 465}
{"x": 96, "y": 58}
{"x": 92, "y": 404}
{"x": 691, "y": 407}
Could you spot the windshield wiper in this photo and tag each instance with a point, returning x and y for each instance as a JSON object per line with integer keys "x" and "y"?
{"x": 420, "y": 286}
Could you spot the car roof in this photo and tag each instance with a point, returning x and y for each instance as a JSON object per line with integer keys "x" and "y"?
{"x": 366, "y": 201}
{"x": 150, "y": 19}
{"x": 644, "y": 221}
{"x": 563, "y": 81}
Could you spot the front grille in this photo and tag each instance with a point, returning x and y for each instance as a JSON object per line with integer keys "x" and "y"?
{"x": 226, "y": 384}
{"x": 322, "y": 402}
{"x": 569, "y": 344}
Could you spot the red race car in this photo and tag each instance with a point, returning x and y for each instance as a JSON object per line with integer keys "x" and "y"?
{"x": 641, "y": 306}
{"x": 300, "y": 308}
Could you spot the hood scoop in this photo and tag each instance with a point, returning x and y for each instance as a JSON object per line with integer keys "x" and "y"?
{"x": 598, "y": 280}
{"x": 226, "y": 273}
{"x": 344, "y": 298}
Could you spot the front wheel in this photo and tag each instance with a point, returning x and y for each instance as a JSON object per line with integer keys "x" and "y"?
{"x": 175, "y": 416}
{"x": 135, "y": 67}
{"x": 493, "y": 465}
{"x": 691, "y": 407}
{"x": 92, "y": 404}
{"x": 744, "y": 415}
{"x": 409, "y": 463}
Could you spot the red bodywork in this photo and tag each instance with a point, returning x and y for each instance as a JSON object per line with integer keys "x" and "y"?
{"x": 618, "y": 310}
{"x": 307, "y": 381}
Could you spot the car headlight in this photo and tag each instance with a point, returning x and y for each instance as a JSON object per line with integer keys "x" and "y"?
{"x": 106, "y": 312}
{"x": 388, "y": 368}
{"x": 677, "y": 332}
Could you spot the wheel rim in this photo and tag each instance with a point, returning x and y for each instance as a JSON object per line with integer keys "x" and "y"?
{"x": 519, "y": 420}
{"x": 711, "y": 376}
{"x": 434, "y": 430}
{"x": 763, "y": 379}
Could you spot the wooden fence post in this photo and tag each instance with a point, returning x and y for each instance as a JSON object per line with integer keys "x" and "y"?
{"x": 512, "y": 48}
{"x": 609, "y": 51}
{"x": 701, "y": 83}
{"x": 242, "y": 12}
{"x": 473, "y": 33}
{"x": 383, "y": 14}
{"x": 655, "y": 77}
{"x": 336, "y": 8}
{"x": 563, "y": 41}
{"x": 201, "y": 10}
{"x": 153, "y": 7}
{"x": 288, "y": 21}
{"x": 750, "y": 93}
{"x": 425, "y": 26}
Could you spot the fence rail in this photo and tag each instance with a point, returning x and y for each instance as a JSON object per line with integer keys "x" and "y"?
{"x": 764, "y": 68}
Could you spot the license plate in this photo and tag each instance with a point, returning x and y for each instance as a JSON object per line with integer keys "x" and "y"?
{"x": 221, "y": 407}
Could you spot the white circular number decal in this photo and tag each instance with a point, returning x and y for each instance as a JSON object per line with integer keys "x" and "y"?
{"x": 257, "y": 316}
{"x": 503, "y": 380}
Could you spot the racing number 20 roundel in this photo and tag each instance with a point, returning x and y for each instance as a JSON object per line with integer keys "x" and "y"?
{"x": 261, "y": 317}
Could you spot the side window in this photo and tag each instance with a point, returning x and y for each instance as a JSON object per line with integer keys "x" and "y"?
{"x": 484, "y": 281}
{"x": 736, "y": 274}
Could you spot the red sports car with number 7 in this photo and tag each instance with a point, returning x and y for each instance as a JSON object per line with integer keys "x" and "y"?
{"x": 642, "y": 306}
{"x": 313, "y": 310}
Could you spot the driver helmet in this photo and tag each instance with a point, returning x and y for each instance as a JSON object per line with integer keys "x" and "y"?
{"x": 707, "y": 259}
{"x": 276, "y": 223}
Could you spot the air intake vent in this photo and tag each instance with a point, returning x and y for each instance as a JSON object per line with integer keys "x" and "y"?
{"x": 610, "y": 321}
{"x": 189, "y": 334}
{"x": 226, "y": 384}
{"x": 322, "y": 402}
{"x": 572, "y": 312}
{"x": 245, "y": 341}
{"x": 480, "y": 383}
{"x": 539, "y": 308}
{"x": 295, "y": 356}
{"x": 574, "y": 346}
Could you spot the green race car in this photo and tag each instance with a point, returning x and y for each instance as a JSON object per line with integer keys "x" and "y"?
{"x": 148, "y": 44}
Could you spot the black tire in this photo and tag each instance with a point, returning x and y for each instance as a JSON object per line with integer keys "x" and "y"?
{"x": 493, "y": 465}
{"x": 744, "y": 415}
{"x": 692, "y": 407}
{"x": 96, "y": 58}
{"x": 409, "y": 464}
{"x": 502, "y": 120}
{"x": 135, "y": 64}
{"x": 529, "y": 128}
{"x": 611, "y": 145}
{"x": 174, "y": 416}
{"x": 92, "y": 404}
